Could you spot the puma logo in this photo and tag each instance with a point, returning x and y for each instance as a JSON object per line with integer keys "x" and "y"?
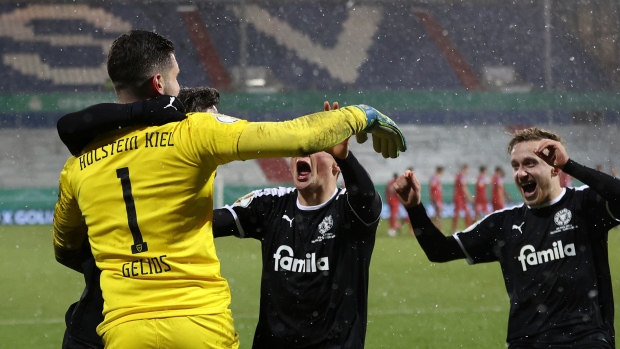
{"x": 518, "y": 227}
{"x": 170, "y": 104}
{"x": 289, "y": 220}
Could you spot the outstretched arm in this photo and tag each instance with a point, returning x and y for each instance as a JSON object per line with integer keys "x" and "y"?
{"x": 437, "y": 247}
{"x": 320, "y": 131}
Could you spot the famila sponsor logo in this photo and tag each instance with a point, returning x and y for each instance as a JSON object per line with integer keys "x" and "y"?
{"x": 529, "y": 255}
{"x": 284, "y": 260}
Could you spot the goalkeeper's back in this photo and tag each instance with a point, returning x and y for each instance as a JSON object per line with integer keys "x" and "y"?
{"x": 146, "y": 196}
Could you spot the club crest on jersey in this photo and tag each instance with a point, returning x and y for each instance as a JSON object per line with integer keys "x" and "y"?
{"x": 324, "y": 227}
{"x": 529, "y": 255}
{"x": 225, "y": 119}
{"x": 562, "y": 219}
{"x": 245, "y": 200}
{"x": 284, "y": 260}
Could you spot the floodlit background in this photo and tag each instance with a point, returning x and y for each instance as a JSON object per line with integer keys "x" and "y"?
{"x": 456, "y": 75}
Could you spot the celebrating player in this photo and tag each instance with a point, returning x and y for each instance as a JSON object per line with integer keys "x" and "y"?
{"x": 143, "y": 198}
{"x": 317, "y": 241}
{"x": 552, "y": 249}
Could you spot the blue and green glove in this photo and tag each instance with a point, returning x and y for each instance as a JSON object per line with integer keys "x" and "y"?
{"x": 387, "y": 138}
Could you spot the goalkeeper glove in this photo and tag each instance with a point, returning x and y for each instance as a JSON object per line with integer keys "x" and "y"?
{"x": 387, "y": 138}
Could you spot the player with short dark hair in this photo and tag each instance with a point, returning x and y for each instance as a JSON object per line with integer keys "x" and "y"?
{"x": 83, "y": 317}
{"x": 552, "y": 248}
{"x": 142, "y": 197}
{"x": 200, "y": 99}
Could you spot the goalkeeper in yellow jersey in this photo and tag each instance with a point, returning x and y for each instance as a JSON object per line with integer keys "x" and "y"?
{"x": 142, "y": 196}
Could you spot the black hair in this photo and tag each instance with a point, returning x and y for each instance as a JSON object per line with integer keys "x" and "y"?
{"x": 199, "y": 99}
{"x": 135, "y": 57}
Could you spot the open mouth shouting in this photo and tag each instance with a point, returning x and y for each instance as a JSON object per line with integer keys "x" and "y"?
{"x": 303, "y": 169}
{"x": 529, "y": 189}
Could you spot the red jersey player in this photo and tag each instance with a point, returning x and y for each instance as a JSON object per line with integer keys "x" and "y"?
{"x": 461, "y": 197}
{"x": 393, "y": 204}
{"x": 498, "y": 191}
{"x": 565, "y": 180}
{"x": 436, "y": 195}
{"x": 481, "y": 204}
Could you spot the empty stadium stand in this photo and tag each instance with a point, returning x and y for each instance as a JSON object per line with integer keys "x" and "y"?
{"x": 321, "y": 46}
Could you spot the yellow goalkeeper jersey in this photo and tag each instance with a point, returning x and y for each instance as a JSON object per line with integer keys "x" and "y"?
{"x": 143, "y": 197}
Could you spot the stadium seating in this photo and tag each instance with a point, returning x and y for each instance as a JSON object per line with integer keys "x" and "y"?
{"x": 512, "y": 34}
{"x": 305, "y": 46}
{"x": 308, "y": 46}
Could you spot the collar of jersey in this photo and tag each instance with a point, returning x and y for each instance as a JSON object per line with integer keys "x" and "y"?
{"x": 550, "y": 203}
{"x": 315, "y": 207}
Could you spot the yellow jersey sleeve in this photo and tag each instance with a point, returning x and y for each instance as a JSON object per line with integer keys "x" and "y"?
{"x": 301, "y": 136}
{"x": 69, "y": 229}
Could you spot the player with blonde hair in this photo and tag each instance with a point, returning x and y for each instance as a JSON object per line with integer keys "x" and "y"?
{"x": 552, "y": 248}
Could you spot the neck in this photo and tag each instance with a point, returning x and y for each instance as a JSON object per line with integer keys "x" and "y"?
{"x": 316, "y": 196}
{"x": 125, "y": 97}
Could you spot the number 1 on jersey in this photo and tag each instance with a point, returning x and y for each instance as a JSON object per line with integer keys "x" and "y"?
{"x": 132, "y": 217}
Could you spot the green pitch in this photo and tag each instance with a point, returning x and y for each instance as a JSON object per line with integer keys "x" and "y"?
{"x": 412, "y": 303}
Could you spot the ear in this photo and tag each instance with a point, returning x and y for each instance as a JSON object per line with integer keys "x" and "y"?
{"x": 335, "y": 169}
{"x": 555, "y": 172}
{"x": 157, "y": 83}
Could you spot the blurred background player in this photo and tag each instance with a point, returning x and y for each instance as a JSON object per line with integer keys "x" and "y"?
{"x": 481, "y": 203}
{"x": 552, "y": 249}
{"x": 394, "y": 207}
{"x": 436, "y": 195}
{"x": 566, "y": 180}
{"x": 499, "y": 195}
{"x": 461, "y": 197}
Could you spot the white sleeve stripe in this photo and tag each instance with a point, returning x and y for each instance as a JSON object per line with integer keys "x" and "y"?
{"x": 609, "y": 211}
{"x": 236, "y": 218}
{"x": 358, "y": 216}
{"x": 470, "y": 260}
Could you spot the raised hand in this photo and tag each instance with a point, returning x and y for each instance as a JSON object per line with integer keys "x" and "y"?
{"x": 552, "y": 152}
{"x": 387, "y": 138}
{"x": 408, "y": 189}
